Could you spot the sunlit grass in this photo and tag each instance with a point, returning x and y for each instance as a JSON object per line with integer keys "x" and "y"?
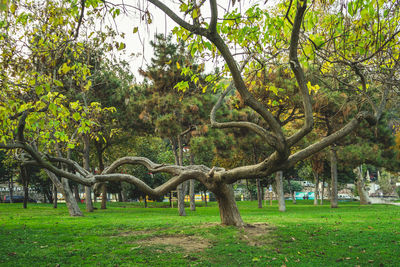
{"x": 305, "y": 235}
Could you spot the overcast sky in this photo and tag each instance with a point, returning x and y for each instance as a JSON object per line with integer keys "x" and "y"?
{"x": 138, "y": 43}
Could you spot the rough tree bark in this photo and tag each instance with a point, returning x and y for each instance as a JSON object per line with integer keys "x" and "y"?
{"x": 64, "y": 188}
{"x": 334, "y": 185}
{"x": 228, "y": 209}
{"x": 364, "y": 198}
{"x": 279, "y": 190}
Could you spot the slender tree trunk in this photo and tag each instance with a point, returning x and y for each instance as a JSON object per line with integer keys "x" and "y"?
{"x": 86, "y": 165}
{"x": 259, "y": 193}
{"x": 279, "y": 190}
{"x": 55, "y": 198}
{"x": 316, "y": 191}
{"x": 182, "y": 187}
{"x": 192, "y": 195}
{"x": 76, "y": 193}
{"x": 291, "y": 191}
{"x": 364, "y": 198}
{"x": 145, "y": 201}
{"x": 11, "y": 189}
{"x": 248, "y": 189}
{"x": 88, "y": 199}
{"x": 228, "y": 210}
{"x": 191, "y": 188}
{"x": 205, "y": 199}
{"x": 322, "y": 191}
{"x": 25, "y": 182}
{"x": 104, "y": 197}
{"x": 99, "y": 152}
{"x": 334, "y": 185}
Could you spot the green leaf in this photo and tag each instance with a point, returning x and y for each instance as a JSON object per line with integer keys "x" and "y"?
{"x": 39, "y": 89}
{"x": 58, "y": 83}
{"x": 76, "y": 116}
{"x": 53, "y": 109}
{"x": 135, "y": 30}
{"x": 121, "y": 46}
{"x": 3, "y": 5}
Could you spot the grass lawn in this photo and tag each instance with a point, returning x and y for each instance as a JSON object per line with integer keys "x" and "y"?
{"x": 129, "y": 235}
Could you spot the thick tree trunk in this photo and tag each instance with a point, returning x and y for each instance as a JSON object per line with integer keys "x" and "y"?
{"x": 70, "y": 200}
{"x": 316, "y": 191}
{"x": 182, "y": 189}
{"x": 86, "y": 165}
{"x": 334, "y": 185}
{"x": 279, "y": 190}
{"x": 322, "y": 191}
{"x": 364, "y": 198}
{"x": 55, "y": 198}
{"x": 64, "y": 188}
{"x": 228, "y": 210}
{"x": 259, "y": 193}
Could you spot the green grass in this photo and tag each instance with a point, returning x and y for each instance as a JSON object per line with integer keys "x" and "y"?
{"x": 305, "y": 235}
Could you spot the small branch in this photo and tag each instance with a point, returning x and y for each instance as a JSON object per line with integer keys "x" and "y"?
{"x": 214, "y": 16}
{"x": 190, "y": 27}
{"x": 80, "y": 18}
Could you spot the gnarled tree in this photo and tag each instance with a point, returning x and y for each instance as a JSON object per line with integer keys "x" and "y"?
{"x": 215, "y": 35}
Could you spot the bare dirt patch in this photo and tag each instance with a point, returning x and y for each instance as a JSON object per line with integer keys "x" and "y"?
{"x": 257, "y": 234}
{"x": 173, "y": 242}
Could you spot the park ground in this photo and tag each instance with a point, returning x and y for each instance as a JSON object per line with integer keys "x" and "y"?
{"x": 127, "y": 234}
